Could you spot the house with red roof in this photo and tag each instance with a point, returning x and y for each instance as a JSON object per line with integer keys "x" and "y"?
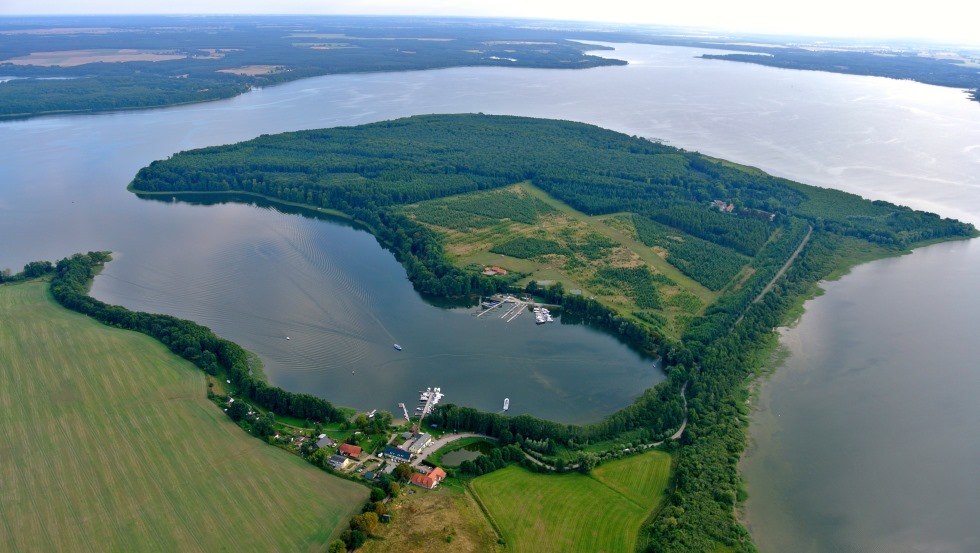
{"x": 350, "y": 450}
{"x": 430, "y": 480}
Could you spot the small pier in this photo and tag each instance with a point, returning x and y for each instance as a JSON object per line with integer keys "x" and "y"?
{"x": 427, "y": 401}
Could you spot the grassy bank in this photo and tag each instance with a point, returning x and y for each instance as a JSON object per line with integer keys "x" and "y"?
{"x": 109, "y": 443}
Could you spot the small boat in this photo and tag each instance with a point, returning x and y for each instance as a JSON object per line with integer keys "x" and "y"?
{"x": 288, "y": 338}
{"x": 506, "y": 403}
{"x": 397, "y": 347}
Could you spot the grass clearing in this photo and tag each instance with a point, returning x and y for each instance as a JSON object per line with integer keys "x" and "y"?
{"x": 444, "y": 519}
{"x": 601, "y": 512}
{"x": 523, "y": 229}
{"x": 108, "y": 442}
{"x": 253, "y": 70}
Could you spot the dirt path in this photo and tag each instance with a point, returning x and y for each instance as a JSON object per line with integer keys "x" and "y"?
{"x": 785, "y": 266}
{"x": 674, "y": 436}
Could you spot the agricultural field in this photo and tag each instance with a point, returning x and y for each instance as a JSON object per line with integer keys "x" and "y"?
{"x": 601, "y": 512}
{"x": 108, "y": 442}
{"x": 523, "y": 229}
{"x": 72, "y": 58}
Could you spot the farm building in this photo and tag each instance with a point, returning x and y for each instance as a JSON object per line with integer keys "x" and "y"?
{"x": 493, "y": 271}
{"x": 350, "y": 450}
{"x": 430, "y": 480}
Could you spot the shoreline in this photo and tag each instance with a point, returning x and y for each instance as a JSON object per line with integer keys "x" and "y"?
{"x": 780, "y": 354}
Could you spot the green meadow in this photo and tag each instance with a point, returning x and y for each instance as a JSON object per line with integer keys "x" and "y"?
{"x": 600, "y": 512}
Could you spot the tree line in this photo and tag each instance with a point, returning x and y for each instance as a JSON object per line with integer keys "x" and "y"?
{"x": 196, "y": 343}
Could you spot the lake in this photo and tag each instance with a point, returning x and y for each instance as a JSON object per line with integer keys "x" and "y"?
{"x": 882, "y": 372}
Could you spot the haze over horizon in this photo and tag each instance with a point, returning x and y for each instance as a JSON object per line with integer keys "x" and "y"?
{"x": 942, "y": 21}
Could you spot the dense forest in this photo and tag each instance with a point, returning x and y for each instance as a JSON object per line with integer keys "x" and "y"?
{"x": 371, "y": 170}
{"x": 907, "y": 65}
{"x": 365, "y": 169}
{"x": 221, "y": 56}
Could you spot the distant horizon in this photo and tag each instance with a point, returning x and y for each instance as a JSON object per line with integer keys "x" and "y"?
{"x": 854, "y": 20}
{"x": 690, "y": 31}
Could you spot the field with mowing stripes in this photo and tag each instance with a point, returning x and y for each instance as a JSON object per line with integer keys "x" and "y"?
{"x": 108, "y": 443}
{"x": 602, "y": 512}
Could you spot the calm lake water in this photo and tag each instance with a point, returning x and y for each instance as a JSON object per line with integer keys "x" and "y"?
{"x": 867, "y": 438}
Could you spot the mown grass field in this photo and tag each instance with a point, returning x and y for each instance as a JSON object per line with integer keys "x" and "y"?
{"x": 602, "y": 512}
{"x": 523, "y": 229}
{"x": 108, "y": 443}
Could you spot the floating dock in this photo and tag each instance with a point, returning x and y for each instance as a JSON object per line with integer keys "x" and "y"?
{"x": 428, "y": 399}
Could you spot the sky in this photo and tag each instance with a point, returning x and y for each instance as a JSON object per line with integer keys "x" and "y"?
{"x": 949, "y": 21}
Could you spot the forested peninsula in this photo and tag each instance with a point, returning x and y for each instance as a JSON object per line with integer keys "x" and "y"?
{"x": 421, "y": 182}
{"x": 894, "y": 65}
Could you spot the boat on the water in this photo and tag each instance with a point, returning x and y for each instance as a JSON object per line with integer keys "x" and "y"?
{"x": 506, "y": 403}
{"x": 397, "y": 347}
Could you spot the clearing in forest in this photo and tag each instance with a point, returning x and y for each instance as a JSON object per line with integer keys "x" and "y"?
{"x": 521, "y": 228}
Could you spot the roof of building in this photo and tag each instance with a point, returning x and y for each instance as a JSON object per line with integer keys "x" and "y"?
{"x": 369, "y": 475}
{"x": 437, "y": 473}
{"x": 424, "y": 480}
{"x": 325, "y": 441}
{"x": 350, "y": 450}
{"x": 417, "y": 442}
{"x": 395, "y": 452}
{"x": 338, "y": 460}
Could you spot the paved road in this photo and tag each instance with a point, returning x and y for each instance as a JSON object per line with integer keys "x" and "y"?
{"x": 448, "y": 438}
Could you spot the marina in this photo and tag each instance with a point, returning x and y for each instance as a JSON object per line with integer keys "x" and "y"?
{"x": 517, "y": 306}
{"x": 428, "y": 399}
